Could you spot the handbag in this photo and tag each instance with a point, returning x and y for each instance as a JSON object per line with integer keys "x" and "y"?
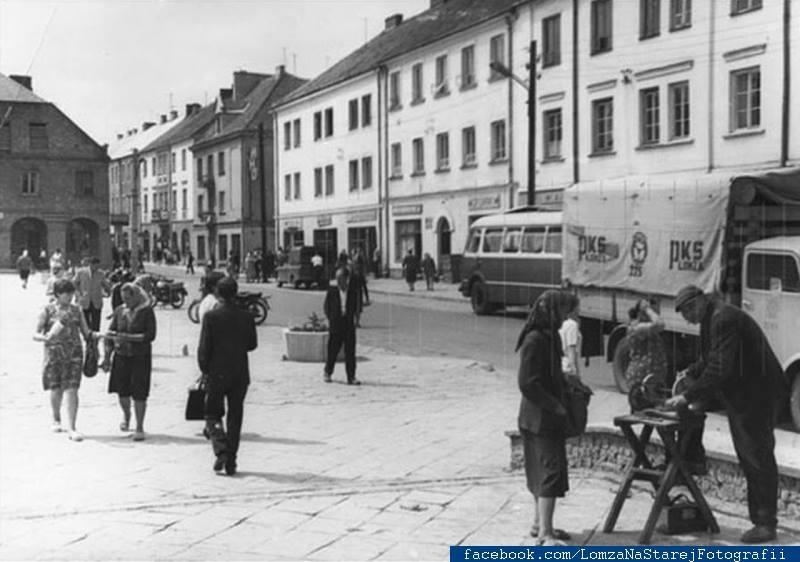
{"x": 576, "y": 401}
{"x": 90, "y": 359}
{"x": 196, "y": 402}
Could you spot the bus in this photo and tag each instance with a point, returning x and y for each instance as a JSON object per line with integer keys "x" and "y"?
{"x": 511, "y": 258}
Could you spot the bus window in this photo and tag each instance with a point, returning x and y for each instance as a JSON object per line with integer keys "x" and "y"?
{"x": 511, "y": 240}
{"x": 492, "y": 240}
{"x": 474, "y": 242}
{"x": 533, "y": 240}
{"x": 553, "y": 242}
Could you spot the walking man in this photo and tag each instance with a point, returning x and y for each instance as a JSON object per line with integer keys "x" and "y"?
{"x": 24, "y": 266}
{"x": 342, "y": 307}
{"x": 91, "y": 284}
{"x": 226, "y": 337}
{"x": 737, "y": 364}
{"x": 190, "y": 262}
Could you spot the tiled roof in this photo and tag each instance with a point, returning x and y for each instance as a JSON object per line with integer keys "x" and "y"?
{"x": 12, "y": 91}
{"x": 448, "y": 18}
{"x": 186, "y": 129}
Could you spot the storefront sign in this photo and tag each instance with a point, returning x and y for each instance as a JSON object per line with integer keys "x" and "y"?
{"x": 324, "y": 220}
{"x": 292, "y": 224}
{"x": 363, "y": 216}
{"x": 399, "y": 210}
{"x": 483, "y": 203}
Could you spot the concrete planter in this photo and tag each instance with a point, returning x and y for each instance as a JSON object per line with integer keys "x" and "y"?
{"x": 307, "y": 347}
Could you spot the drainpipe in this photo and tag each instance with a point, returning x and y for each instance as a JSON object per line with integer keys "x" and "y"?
{"x": 510, "y": 19}
{"x": 262, "y": 184}
{"x": 575, "y": 148}
{"x": 275, "y": 179}
{"x": 386, "y": 171}
{"x": 381, "y": 182}
{"x": 787, "y": 80}
{"x": 711, "y": 39}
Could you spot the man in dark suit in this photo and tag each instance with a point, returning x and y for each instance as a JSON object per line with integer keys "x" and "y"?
{"x": 737, "y": 364}
{"x": 227, "y": 335}
{"x": 342, "y": 307}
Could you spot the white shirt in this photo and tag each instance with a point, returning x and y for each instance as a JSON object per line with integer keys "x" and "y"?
{"x": 208, "y": 303}
{"x": 316, "y": 260}
{"x": 343, "y": 299}
{"x": 570, "y": 336}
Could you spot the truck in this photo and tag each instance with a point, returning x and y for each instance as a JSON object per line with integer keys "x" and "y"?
{"x": 737, "y": 236}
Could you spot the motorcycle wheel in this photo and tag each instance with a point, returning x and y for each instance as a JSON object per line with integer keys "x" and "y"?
{"x": 258, "y": 310}
{"x": 178, "y": 298}
{"x": 194, "y": 311}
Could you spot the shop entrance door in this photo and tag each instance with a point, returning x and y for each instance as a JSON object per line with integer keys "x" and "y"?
{"x": 326, "y": 241}
{"x": 364, "y": 238}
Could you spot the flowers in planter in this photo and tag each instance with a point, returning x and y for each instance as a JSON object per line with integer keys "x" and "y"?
{"x": 313, "y": 324}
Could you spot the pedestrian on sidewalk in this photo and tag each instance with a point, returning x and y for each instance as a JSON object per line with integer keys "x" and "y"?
{"x": 360, "y": 277}
{"x": 376, "y": 259}
{"x": 737, "y": 364}
{"x": 410, "y": 269}
{"x": 130, "y": 336}
{"x": 227, "y": 335}
{"x": 60, "y": 327}
{"x": 91, "y": 286}
{"x": 189, "y": 262}
{"x": 571, "y": 340}
{"x": 429, "y": 271}
{"x": 542, "y": 416}
{"x": 24, "y": 266}
{"x": 342, "y": 307}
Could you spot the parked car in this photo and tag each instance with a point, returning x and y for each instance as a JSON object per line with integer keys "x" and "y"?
{"x": 300, "y": 272}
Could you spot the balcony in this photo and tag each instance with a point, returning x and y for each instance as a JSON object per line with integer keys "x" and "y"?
{"x": 159, "y": 215}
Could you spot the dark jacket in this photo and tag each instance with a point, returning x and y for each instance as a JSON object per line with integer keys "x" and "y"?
{"x": 142, "y": 320}
{"x": 736, "y": 362}
{"x": 333, "y": 306}
{"x": 541, "y": 383}
{"x": 228, "y": 333}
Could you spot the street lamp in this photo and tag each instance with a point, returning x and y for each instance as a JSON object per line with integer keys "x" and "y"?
{"x": 530, "y": 85}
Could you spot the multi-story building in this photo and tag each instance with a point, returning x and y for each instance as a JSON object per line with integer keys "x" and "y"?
{"x": 234, "y": 164}
{"x": 53, "y": 180}
{"x": 666, "y": 88}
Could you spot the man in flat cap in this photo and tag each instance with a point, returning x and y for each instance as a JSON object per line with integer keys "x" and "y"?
{"x": 737, "y": 364}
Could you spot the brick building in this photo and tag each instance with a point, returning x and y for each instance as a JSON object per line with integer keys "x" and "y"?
{"x": 53, "y": 180}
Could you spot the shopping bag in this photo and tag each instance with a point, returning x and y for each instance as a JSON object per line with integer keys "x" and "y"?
{"x": 195, "y": 403}
{"x": 90, "y": 358}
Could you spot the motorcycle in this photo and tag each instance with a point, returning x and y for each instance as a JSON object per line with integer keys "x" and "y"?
{"x": 254, "y": 303}
{"x": 168, "y": 291}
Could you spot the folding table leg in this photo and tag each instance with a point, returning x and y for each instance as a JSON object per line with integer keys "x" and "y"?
{"x": 658, "y": 503}
{"x": 638, "y": 444}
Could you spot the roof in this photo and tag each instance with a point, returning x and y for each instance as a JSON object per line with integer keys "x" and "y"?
{"x": 10, "y": 90}
{"x": 784, "y": 243}
{"x": 268, "y": 90}
{"x": 539, "y": 218}
{"x": 448, "y": 18}
{"x": 186, "y": 129}
{"x": 124, "y": 146}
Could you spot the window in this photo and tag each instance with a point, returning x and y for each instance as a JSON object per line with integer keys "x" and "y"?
{"x": 144, "y": 207}
{"x": 474, "y": 241}
{"x": 366, "y": 172}
{"x": 317, "y": 182}
{"x": 397, "y": 160}
{"x": 468, "y": 154}
{"x": 153, "y": 165}
{"x": 353, "y": 114}
{"x": 353, "y": 167}
{"x": 552, "y": 243}
{"x": 552, "y": 134}
{"x": 679, "y": 122}
{"x": 740, "y": 6}
{"x": 745, "y": 98}
{"x": 221, "y": 206}
{"x": 296, "y": 133}
{"x": 416, "y": 84}
{"x": 441, "y": 87}
{"x": 297, "y": 185}
{"x": 221, "y": 163}
{"x": 492, "y": 240}
{"x": 84, "y": 183}
{"x": 498, "y": 140}
{"x": 511, "y": 240}
{"x": 317, "y": 125}
{"x": 287, "y": 135}
{"x": 199, "y": 204}
{"x": 183, "y": 160}
{"x": 601, "y": 26}
{"x": 649, "y": 18}
{"x": 287, "y": 187}
{"x": 394, "y": 90}
{"x": 37, "y": 134}
{"x": 5, "y": 136}
{"x": 468, "y": 67}
{"x": 366, "y": 110}
{"x": 442, "y": 152}
{"x": 603, "y": 125}
{"x": 201, "y": 248}
{"x": 184, "y": 200}
{"x": 680, "y": 14}
{"x": 30, "y": 183}
{"x": 222, "y": 247}
{"x": 329, "y": 179}
{"x": 533, "y": 240}
{"x": 763, "y": 268}
{"x": 408, "y": 236}
{"x": 199, "y": 169}
{"x": 418, "y": 154}
{"x": 649, "y": 116}
{"x": 329, "y": 122}
{"x": 551, "y": 39}
{"x": 173, "y": 165}
{"x": 144, "y": 169}
{"x": 497, "y": 54}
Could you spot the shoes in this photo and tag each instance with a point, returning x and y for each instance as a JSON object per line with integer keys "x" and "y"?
{"x": 221, "y": 462}
{"x": 56, "y": 427}
{"x": 75, "y": 436}
{"x": 206, "y": 433}
{"x": 138, "y": 436}
{"x": 124, "y": 425}
{"x": 759, "y": 534}
{"x": 558, "y": 534}
{"x": 327, "y": 378}
{"x": 230, "y": 467}
{"x": 354, "y": 381}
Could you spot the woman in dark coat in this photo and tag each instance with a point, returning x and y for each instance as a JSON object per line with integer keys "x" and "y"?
{"x": 410, "y": 269}
{"x": 542, "y": 415}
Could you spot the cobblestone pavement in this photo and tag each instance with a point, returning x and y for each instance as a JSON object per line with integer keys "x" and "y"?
{"x": 398, "y": 469}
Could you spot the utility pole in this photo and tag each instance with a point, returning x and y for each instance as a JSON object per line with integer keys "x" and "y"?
{"x": 263, "y": 200}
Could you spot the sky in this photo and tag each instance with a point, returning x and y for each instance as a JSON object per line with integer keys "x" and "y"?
{"x": 110, "y": 65}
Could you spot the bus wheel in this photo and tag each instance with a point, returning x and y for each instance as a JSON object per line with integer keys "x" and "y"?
{"x": 479, "y": 297}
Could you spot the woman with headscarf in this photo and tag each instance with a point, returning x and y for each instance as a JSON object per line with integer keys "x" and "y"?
{"x": 542, "y": 415}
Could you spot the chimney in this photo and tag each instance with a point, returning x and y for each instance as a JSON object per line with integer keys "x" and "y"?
{"x": 147, "y": 124}
{"x": 192, "y": 108}
{"x": 120, "y": 136}
{"x": 280, "y": 70}
{"x": 24, "y": 81}
{"x": 225, "y": 94}
{"x": 173, "y": 114}
{"x": 394, "y": 20}
{"x": 243, "y": 83}
{"x": 163, "y": 119}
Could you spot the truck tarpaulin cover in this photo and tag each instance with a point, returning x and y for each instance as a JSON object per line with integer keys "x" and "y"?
{"x": 641, "y": 236}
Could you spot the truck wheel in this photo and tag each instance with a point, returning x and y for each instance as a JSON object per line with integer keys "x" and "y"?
{"x": 479, "y": 297}
{"x": 619, "y": 365}
{"x": 794, "y": 402}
